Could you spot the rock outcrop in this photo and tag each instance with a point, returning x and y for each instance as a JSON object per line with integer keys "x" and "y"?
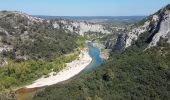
{"x": 79, "y": 27}
{"x": 158, "y": 26}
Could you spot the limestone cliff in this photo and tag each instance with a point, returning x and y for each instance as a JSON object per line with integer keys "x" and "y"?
{"x": 158, "y": 26}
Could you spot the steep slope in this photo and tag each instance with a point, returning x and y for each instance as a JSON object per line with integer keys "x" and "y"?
{"x": 136, "y": 73}
{"x": 25, "y": 37}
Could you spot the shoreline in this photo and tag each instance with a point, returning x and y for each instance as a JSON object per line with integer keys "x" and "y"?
{"x": 73, "y": 68}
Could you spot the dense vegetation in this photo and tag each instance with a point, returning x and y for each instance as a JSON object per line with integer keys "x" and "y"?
{"x": 44, "y": 45}
{"x": 48, "y": 47}
{"x": 134, "y": 74}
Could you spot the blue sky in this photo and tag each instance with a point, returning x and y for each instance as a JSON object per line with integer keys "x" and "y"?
{"x": 84, "y": 7}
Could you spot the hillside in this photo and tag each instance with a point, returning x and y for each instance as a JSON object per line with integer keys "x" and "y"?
{"x": 30, "y": 47}
{"x": 25, "y": 37}
{"x": 140, "y": 72}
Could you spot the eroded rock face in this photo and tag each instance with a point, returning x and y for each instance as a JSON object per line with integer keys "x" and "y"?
{"x": 134, "y": 33}
{"x": 79, "y": 27}
{"x": 158, "y": 26}
{"x": 163, "y": 31}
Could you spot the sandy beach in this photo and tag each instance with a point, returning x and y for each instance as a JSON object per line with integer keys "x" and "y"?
{"x": 72, "y": 69}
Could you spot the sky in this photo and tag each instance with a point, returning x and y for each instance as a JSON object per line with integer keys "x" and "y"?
{"x": 84, "y": 7}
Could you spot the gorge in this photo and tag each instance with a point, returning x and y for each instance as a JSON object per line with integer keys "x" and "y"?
{"x": 85, "y": 59}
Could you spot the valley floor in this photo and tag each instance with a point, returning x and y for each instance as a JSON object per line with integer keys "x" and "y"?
{"x": 72, "y": 69}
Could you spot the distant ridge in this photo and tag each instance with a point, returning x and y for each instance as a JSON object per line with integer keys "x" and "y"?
{"x": 86, "y": 18}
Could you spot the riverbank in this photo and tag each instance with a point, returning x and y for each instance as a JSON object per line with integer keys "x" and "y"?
{"x": 72, "y": 69}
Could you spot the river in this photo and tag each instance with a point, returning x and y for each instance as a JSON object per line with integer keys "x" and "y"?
{"x": 26, "y": 94}
{"x": 96, "y": 59}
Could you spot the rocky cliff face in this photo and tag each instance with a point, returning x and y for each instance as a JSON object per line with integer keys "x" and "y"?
{"x": 158, "y": 26}
{"x": 79, "y": 27}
